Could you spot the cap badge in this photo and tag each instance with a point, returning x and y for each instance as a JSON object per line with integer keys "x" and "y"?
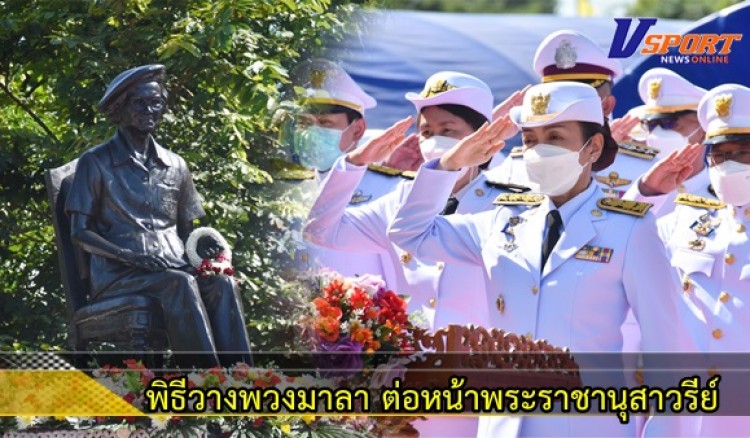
{"x": 539, "y": 104}
{"x": 722, "y": 103}
{"x": 439, "y": 86}
{"x": 317, "y": 78}
{"x": 565, "y": 56}
{"x": 654, "y": 88}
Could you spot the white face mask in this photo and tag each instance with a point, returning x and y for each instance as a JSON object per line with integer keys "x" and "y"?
{"x": 667, "y": 140}
{"x": 554, "y": 170}
{"x": 731, "y": 182}
{"x": 436, "y": 146}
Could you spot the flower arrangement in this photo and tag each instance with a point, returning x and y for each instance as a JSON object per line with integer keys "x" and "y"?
{"x": 130, "y": 382}
{"x": 353, "y": 318}
{"x": 221, "y": 264}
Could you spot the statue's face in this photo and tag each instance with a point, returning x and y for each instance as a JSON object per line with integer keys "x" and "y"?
{"x": 144, "y": 107}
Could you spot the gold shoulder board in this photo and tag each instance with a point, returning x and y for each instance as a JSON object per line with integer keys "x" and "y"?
{"x": 409, "y": 174}
{"x": 285, "y": 170}
{"x": 637, "y": 150}
{"x": 632, "y": 208}
{"x": 385, "y": 170}
{"x": 516, "y": 152}
{"x": 515, "y": 188}
{"x": 519, "y": 199}
{"x": 699, "y": 201}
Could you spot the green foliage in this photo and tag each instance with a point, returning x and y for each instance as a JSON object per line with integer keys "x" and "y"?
{"x": 227, "y": 63}
{"x": 476, "y": 6}
{"x": 692, "y": 10}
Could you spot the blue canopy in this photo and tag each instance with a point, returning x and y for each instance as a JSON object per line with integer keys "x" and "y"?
{"x": 734, "y": 19}
{"x": 402, "y": 49}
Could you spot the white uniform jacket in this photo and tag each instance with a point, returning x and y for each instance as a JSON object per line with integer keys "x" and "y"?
{"x": 573, "y": 302}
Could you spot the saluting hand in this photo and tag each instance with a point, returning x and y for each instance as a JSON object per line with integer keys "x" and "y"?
{"x": 621, "y": 127}
{"x": 503, "y": 108}
{"x": 478, "y": 147}
{"x": 379, "y": 148}
{"x": 407, "y": 155}
{"x": 673, "y": 170}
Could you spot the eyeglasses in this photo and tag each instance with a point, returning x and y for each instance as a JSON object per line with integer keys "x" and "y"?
{"x": 140, "y": 104}
{"x": 738, "y": 155}
{"x": 666, "y": 123}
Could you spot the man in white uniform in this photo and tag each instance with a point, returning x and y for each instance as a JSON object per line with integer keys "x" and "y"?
{"x": 332, "y": 124}
{"x": 706, "y": 237}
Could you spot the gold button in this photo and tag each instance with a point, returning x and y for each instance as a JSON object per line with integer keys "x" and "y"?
{"x": 741, "y": 228}
{"x": 686, "y": 284}
{"x": 440, "y": 266}
{"x": 729, "y": 259}
{"x": 479, "y": 192}
{"x": 405, "y": 258}
{"x": 638, "y": 375}
{"x": 614, "y": 175}
{"x": 712, "y": 372}
{"x": 304, "y": 257}
{"x": 724, "y": 297}
{"x": 535, "y": 290}
{"x": 432, "y": 302}
{"x": 500, "y": 303}
{"x": 717, "y": 334}
{"x": 596, "y": 213}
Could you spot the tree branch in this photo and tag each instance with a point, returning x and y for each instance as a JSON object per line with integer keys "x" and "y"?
{"x": 29, "y": 111}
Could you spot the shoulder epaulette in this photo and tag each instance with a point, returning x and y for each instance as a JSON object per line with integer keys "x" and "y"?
{"x": 390, "y": 171}
{"x": 699, "y": 201}
{"x": 516, "y": 152}
{"x": 519, "y": 199}
{"x": 515, "y": 188}
{"x": 409, "y": 174}
{"x": 637, "y": 150}
{"x": 285, "y": 170}
{"x": 632, "y": 208}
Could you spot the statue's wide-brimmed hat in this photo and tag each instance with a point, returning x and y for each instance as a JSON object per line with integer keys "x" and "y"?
{"x": 127, "y": 79}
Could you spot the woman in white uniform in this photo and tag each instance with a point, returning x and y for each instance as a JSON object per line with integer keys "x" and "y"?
{"x": 568, "y": 270}
{"x": 451, "y": 106}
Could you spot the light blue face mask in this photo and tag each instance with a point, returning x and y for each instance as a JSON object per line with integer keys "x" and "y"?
{"x": 317, "y": 147}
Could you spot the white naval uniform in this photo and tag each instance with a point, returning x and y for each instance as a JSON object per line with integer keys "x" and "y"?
{"x": 716, "y": 294}
{"x": 663, "y": 205}
{"x": 573, "y": 303}
{"x": 371, "y": 186}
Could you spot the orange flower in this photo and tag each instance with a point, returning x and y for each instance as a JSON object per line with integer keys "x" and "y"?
{"x": 360, "y": 300}
{"x": 363, "y": 336}
{"x": 328, "y": 328}
{"x": 326, "y": 310}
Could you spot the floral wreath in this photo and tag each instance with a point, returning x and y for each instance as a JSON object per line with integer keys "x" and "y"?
{"x": 222, "y": 264}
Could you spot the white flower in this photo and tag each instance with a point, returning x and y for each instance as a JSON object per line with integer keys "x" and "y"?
{"x": 196, "y": 378}
{"x": 159, "y": 421}
{"x": 191, "y": 246}
{"x": 23, "y": 422}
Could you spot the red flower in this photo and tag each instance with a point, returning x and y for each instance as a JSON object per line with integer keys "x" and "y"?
{"x": 229, "y": 271}
{"x": 360, "y": 300}
{"x": 258, "y": 422}
{"x": 216, "y": 371}
{"x": 129, "y": 397}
